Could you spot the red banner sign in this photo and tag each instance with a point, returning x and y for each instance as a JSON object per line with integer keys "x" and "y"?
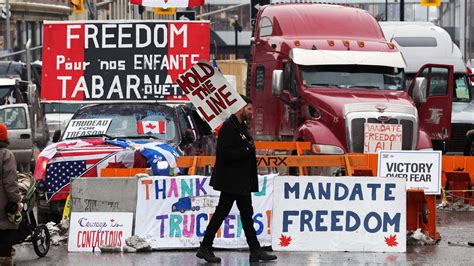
{"x": 119, "y": 60}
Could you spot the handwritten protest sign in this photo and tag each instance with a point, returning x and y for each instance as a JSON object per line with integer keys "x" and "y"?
{"x": 421, "y": 169}
{"x": 382, "y": 137}
{"x": 210, "y": 92}
{"x": 86, "y": 127}
{"x": 174, "y": 213}
{"x": 316, "y": 213}
{"x": 89, "y": 230}
{"x": 99, "y": 61}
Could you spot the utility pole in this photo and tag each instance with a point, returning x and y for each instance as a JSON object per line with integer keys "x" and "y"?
{"x": 386, "y": 10}
{"x": 7, "y": 28}
{"x": 237, "y": 29}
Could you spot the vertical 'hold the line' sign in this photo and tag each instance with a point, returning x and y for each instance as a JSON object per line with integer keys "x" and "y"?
{"x": 210, "y": 92}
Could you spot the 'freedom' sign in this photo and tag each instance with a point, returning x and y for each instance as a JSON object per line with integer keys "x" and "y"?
{"x": 319, "y": 213}
{"x": 421, "y": 169}
{"x": 210, "y": 92}
{"x": 119, "y": 60}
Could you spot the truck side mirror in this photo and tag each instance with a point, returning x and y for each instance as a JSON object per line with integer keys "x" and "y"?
{"x": 56, "y": 135}
{"x": 419, "y": 90}
{"x": 277, "y": 82}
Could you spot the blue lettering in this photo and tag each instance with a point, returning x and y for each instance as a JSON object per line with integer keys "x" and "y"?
{"x": 374, "y": 190}
{"x": 286, "y": 219}
{"x": 320, "y": 220}
{"x": 388, "y": 191}
{"x": 335, "y": 220}
{"x": 326, "y": 193}
{"x": 262, "y": 191}
{"x": 309, "y": 190}
{"x": 292, "y": 189}
{"x": 200, "y": 216}
{"x": 306, "y": 217}
{"x": 378, "y": 224}
{"x": 393, "y": 222}
{"x": 200, "y": 186}
{"x": 162, "y": 189}
{"x": 337, "y": 195}
{"x": 256, "y": 220}
{"x": 355, "y": 218}
{"x": 356, "y": 191}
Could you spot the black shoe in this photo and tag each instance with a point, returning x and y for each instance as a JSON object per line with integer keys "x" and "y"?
{"x": 207, "y": 254}
{"x": 259, "y": 255}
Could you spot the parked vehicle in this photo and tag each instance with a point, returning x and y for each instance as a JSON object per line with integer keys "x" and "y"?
{"x": 21, "y": 111}
{"x": 422, "y": 43}
{"x": 179, "y": 126}
{"x": 325, "y": 74}
{"x": 58, "y": 115}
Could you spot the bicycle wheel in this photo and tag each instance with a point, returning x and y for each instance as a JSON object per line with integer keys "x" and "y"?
{"x": 41, "y": 240}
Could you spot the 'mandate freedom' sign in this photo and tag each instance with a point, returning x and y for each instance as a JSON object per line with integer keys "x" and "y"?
{"x": 119, "y": 60}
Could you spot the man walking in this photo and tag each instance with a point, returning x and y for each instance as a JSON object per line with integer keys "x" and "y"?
{"x": 235, "y": 176}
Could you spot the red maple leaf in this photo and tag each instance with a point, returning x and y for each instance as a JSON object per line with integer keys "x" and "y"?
{"x": 150, "y": 126}
{"x": 285, "y": 241}
{"x": 391, "y": 240}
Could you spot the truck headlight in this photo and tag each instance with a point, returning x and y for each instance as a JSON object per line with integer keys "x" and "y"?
{"x": 326, "y": 149}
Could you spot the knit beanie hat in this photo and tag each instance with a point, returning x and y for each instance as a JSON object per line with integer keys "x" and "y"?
{"x": 3, "y": 132}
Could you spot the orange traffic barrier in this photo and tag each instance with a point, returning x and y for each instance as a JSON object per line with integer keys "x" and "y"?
{"x": 457, "y": 178}
{"x": 121, "y": 172}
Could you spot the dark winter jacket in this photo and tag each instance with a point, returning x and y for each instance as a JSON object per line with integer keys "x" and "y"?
{"x": 235, "y": 170}
{"x": 9, "y": 191}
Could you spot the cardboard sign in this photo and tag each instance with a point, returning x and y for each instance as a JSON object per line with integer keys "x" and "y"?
{"x": 104, "y": 61}
{"x": 86, "y": 127}
{"x": 89, "y": 230}
{"x": 174, "y": 213}
{"x": 210, "y": 92}
{"x": 320, "y": 213}
{"x": 421, "y": 169}
{"x": 382, "y": 137}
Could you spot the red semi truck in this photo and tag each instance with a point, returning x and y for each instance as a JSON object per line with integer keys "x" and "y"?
{"x": 325, "y": 74}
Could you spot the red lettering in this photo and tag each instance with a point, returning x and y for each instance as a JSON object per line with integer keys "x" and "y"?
{"x": 226, "y": 95}
{"x": 203, "y": 113}
{"x": 78, "y": 238}
{"x": 120, "y": 236}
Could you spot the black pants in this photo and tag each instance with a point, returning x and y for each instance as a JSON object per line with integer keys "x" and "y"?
{"x": 244, "y": 203}
{"x": 7, "y": 238}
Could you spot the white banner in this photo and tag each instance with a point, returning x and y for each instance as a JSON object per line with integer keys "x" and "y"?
{"x": 421, "y": 169}
{"x": 86, "y": 127}
{"x": 210, "y": 92}
{"x": 316, "y": 213}
{"x": 174, "y": 213}
{"x": 89, "y": 230}
{"x": 382, "y": 137}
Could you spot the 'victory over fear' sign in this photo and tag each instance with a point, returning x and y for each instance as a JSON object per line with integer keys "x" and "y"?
{"x": 421, "y": 169}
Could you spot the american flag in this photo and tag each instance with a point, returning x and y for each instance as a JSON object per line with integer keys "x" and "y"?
{"x": 80, "y": 162}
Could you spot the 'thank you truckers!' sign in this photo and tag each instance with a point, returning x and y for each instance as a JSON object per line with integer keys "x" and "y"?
{"x": 119, "y": 60}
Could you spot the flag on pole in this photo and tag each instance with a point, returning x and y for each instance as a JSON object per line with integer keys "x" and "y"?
{"x": 167, "y": 3}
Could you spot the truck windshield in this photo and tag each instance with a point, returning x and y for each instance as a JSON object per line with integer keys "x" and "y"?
{"x": 352, "y": 77}
{"x": 126, "y": 121}
{"x": 55, "y": 108}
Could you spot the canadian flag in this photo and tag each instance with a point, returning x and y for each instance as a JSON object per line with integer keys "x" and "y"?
{"x": 156, "y": 127}
{"x": 167, "y": 3}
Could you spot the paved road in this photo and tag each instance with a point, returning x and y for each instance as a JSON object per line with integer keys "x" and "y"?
{"x": 453, "y": 226}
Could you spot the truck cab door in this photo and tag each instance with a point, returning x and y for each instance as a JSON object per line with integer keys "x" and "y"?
{"x": 17, "y": 119}
{"x": 435, "y": 102}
